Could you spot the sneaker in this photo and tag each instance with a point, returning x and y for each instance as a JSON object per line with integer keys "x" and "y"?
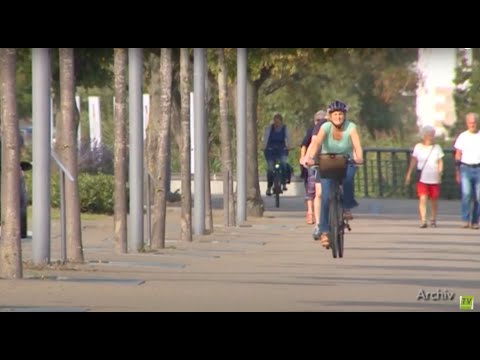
{"x": 269, "y": 192}
{"x": 284, "y": 188}
{"x": 423, "y": 226}
{"x": 316, "y": 233}
{"x": 433, "y": 223}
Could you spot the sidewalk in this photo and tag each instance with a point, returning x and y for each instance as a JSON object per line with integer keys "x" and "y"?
{"x": 269, "y": 264}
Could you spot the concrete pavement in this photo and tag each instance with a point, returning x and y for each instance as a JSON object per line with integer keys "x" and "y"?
{"x": 269, "y": 264}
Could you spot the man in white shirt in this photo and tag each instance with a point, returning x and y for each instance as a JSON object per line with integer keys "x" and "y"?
{"x": 467, "y": 161}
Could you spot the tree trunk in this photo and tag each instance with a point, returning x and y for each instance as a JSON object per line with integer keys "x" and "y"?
{"x": 185, "y": 161}
{"x": 208, "y": 195}
{"x": 227, "y": 164}
{"x": 120, "y": 162}
{"x": 152, "y": 140}
{"x": 158, "y": 235}
{"x": 68, "y": 154}
{"x": 10, "y": 241}
{"x": 255, "y": 205}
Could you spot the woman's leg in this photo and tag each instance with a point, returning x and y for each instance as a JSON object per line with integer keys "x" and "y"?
{"x": 422, "y": 209}
{"x": 349, "y": 201}
{"x": 326, "y": 188}
{"x": 309, "y": 196}
{"x": 317, "y": 201}
{"x": 422, "y": 194}
{"x": 434, "y": 194}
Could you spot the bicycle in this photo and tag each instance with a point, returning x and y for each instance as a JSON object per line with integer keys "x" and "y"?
{"x": 334, "y": 166}
{"x": 278, "y": 175}
{"x": 277, "y": 182}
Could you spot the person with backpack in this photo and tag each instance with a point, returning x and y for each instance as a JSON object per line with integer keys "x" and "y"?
{"x": 276, "y": 142}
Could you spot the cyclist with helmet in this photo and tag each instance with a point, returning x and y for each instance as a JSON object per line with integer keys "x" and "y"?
{"x": 339, "y": 136}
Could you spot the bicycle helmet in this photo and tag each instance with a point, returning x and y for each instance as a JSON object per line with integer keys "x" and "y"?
{"x": 337, "y": 106}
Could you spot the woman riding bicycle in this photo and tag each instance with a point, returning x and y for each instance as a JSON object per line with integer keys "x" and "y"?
{"x": 276, "y": 141}
{"x": 337, "y": 136}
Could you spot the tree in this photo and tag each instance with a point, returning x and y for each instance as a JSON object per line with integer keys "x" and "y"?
{"x": 467, "y": 92}
{"x": 185, "y": 161}
{"x": 227, "y": 164}
{"x": 66, "y": 146}
{"x": 158, "y": 134}
{"x": 120, "y": 144}
{"x": 10, "y": 242}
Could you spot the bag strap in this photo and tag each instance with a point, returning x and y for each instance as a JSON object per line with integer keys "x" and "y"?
{"x": 426, "y": 160}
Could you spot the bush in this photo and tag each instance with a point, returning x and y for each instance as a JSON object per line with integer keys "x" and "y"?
{"x": 95, "y": 159}
{"x": 95, "y": 192}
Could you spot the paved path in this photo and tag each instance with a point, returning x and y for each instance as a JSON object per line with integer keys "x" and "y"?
{"x": 271, "y": 264}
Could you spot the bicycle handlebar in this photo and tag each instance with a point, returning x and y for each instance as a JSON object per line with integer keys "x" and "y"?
{"x": 349, "y": 161}
{"x": 274, "y": 148}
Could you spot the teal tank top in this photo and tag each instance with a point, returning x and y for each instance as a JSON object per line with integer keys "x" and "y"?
{"x": 344, "y": 145}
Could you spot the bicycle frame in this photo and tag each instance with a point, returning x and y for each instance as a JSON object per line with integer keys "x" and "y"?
{"x": 337, "y": 222}
{"x": 336, "y": 172}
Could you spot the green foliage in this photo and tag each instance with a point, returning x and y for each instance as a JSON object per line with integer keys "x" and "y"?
{"x": 296, "y": 82}
{"x": 373, "y": 82}
{"x": 467, "y": 92}
{"x": 24, "y": 83}
{"x": 95, "y": 191}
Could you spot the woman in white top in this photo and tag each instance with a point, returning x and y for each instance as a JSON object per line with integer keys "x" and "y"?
{"x": 427, "y": 159}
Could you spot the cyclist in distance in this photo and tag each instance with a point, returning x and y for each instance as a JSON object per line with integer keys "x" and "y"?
{"x": 276, "y": 141}
{"x": 337, "y": 136}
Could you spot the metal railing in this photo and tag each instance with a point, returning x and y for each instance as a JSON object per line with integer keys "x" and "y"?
{"x": 63, "y": 227}
{"x": 383, "y": 173}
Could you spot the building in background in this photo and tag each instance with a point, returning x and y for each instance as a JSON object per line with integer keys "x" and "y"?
{"x": 435, "y": 91}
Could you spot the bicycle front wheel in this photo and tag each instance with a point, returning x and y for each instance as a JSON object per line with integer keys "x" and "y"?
{"x": 340, "y": 229}
{"x": 333, "y": 221}
{"x": 277, "y": 189}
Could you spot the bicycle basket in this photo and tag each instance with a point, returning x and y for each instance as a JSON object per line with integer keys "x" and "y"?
{"x": 332, "y": 166}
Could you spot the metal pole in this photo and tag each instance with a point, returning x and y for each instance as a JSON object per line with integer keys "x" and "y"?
{"x": 135, "y": 66}
{"x": 226, "y": 198}
{"x": 41, "y": 144}
{"x": 168, "y": 175}
{"x": 199, "y": 114}
{"x": 241, "y": 135}
{"x": 63, "y": 224}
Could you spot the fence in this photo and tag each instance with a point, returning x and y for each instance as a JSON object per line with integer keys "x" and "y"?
{"x": 383, "y": 175}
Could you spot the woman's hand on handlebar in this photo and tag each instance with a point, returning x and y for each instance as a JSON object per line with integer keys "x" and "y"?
{"x": 357, "y": 161}
{"x": 307, "y": 161}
